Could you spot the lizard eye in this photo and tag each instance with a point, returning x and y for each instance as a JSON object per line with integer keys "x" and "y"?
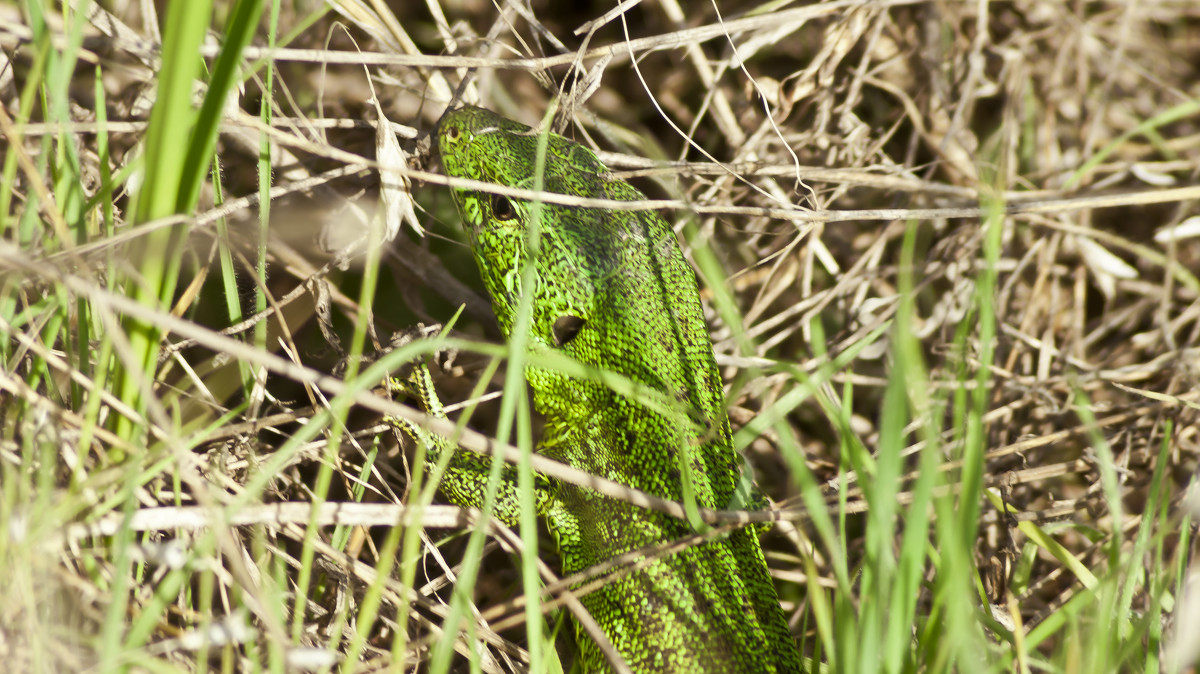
{"x": 566, "y": 328}
{"x": 502, "y": 208}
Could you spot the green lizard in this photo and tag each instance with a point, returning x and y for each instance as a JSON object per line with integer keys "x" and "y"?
{"x": 613, "y": 291}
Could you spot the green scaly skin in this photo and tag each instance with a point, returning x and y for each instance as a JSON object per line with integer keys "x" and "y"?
{"x": 614, "y": 292}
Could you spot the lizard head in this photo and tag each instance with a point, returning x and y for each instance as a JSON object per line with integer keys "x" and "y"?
{"x": 610, "y": 287}
{"x": 503, "y": 229}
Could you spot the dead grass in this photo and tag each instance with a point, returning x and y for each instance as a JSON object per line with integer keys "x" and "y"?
{"x": 799, "y": 150}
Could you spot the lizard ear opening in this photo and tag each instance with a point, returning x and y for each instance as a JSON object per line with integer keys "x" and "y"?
{"x": 502, "y": 208}
{"x": 566, "y": 328}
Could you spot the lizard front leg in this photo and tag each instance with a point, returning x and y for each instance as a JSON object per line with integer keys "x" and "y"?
{"x": 462, "y": 474}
